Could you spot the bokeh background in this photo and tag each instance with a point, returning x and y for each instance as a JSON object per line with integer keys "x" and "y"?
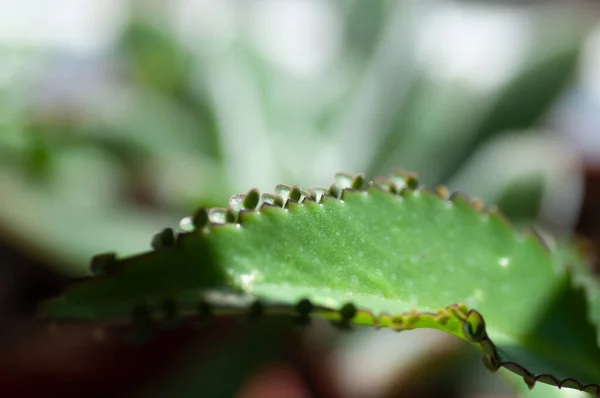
{"x": 118, "y": 118}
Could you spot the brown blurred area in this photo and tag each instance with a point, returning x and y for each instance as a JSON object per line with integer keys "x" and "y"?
{"x": 588, "y": 224}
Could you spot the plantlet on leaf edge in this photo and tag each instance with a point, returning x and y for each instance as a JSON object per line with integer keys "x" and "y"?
{"x": 341, "y": 250}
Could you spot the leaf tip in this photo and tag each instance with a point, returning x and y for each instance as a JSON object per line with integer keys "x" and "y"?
{"x": 386, "y": 185}
{"x": 103, "y": 264}
{"x": 404, "y": 179}
{"x": 474, "y": 327}
{"x": 251, "y": 199}
{"x": 358, "y": 182}
{"x": 442, "y": 192}
{"x": 347, "y": 313}
{"x": 316, "y": 194}
{"x": 478, "y": 205}
{"x": 303, "y": 310}
{"x": 295, "y": 193}
{"x": 282, "y": 193}
{"x": 163, "y": 239}
{"x": 200, "y": 218}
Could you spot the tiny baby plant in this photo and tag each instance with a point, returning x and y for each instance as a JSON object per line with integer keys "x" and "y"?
{"x": 387, "y": 253}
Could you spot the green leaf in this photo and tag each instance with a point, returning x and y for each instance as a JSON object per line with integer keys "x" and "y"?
{"x": 580, "y": 257}
{"x": 389, "y": 255}
{"x": 155, "y": 58}
{"x": 522, "y": 198}
{"x": 528, "y": 95}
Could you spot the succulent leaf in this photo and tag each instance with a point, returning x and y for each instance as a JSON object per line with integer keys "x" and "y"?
{"x": 385, "y": 254}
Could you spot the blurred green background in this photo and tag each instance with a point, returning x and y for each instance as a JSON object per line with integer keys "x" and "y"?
{"x": 118, "y": 118}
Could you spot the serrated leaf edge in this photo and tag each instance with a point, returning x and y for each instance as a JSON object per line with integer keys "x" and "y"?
{"x": 399, "y": 183}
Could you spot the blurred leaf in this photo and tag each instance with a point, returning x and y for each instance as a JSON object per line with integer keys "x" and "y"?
{"x": 377, "y": 95}
{"x": 398, "y": 135}
{"x": 156, "y": 59}
{"x": 365, "y": 22}
{"x": 38, "y": 159}
{"x": 506, "y": 160}
{"x": 521, "y": 200}
{"x": 439, "y": 124}
{"x": 428, "y": 127}
{"x": 528, "y": 95}
{"x": 67, "y": 223}
{"x": 152, "y": 121}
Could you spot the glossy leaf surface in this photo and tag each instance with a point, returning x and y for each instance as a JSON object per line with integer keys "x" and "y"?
{"x": 389, "y": 255}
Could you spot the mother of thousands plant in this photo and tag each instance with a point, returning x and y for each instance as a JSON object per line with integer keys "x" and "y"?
{"x": 387, "y": 253}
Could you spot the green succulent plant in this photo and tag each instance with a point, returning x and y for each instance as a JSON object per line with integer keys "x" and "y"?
{"x": 170, "y": 140}
{"x": 388, "y": 253}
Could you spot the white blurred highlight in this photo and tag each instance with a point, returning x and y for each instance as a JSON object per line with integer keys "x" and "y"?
{"x": 480, "y": 45}
{"x": 303, "y": 37}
